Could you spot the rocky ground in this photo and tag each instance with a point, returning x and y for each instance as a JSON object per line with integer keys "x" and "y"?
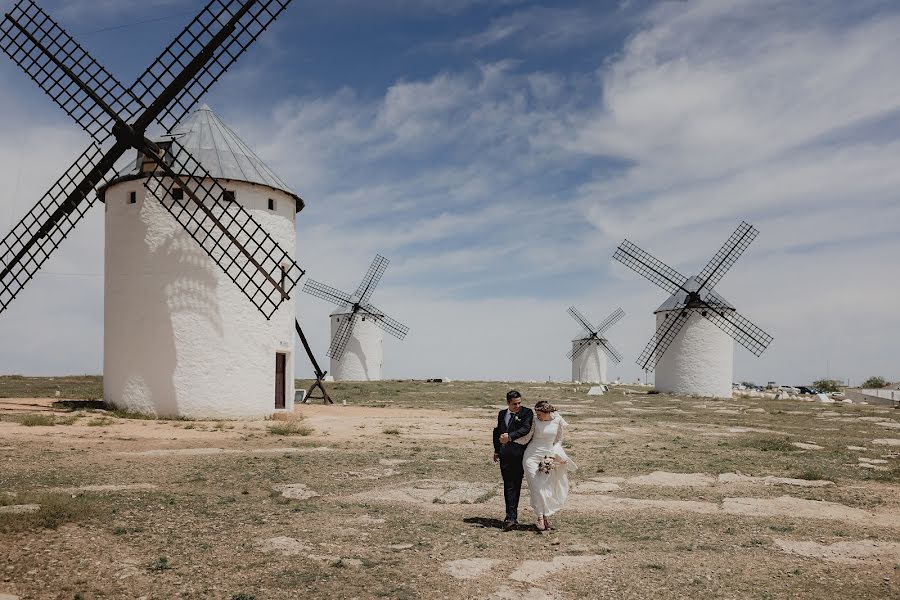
{"x": 394, "y": 496}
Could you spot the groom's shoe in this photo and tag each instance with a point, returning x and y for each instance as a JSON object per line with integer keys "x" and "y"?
{"x": 509, "y": 525}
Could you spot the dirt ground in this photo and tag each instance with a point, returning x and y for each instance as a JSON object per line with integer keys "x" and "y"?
{"x": 394, "y": 495}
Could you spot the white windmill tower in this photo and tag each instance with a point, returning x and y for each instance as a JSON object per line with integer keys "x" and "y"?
{"x": 199, "y": 233}
{"x": 357, "y": 327}
{"x": 180, "y": 338}
{"x": 693, "y": 348}
{"x": 591, "y": 347}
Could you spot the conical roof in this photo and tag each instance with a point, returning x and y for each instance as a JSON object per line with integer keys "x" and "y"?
{"x": 677, "y": 300}
{"x": 221, "y": 152}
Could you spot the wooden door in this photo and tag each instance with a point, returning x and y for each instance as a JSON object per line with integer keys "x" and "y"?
{"x": 280, "y": 363}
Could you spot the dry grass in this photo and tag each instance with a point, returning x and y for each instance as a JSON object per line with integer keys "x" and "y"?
{"x": 377, "y": 528}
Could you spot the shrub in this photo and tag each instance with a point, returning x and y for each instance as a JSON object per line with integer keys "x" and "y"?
{"x": 38, "y": 420}
{"x": 390, "y": 431}
{"x": 874, "y": 382}
{"x": 160, "y": 564}
{"x": 290, "y": 428}
{"x": 827, "y": 385}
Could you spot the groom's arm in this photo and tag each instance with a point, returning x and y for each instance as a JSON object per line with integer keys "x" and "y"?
{"x": 523, "y": 427}
{"x": 497, "y": 436}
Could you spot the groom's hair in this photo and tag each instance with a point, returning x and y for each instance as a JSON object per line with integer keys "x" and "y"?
{"x": 512, "y": 395}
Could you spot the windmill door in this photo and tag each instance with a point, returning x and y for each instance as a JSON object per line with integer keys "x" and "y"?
{"x": 280, "y": 363}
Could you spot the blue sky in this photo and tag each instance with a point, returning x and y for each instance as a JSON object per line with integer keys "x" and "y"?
{"x": 497, "y": 152}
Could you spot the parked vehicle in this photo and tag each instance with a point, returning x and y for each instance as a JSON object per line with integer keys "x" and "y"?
{"x": 807, "y": 390}
{"x": 789, "y": 389}
{"x": 837, "y": 394}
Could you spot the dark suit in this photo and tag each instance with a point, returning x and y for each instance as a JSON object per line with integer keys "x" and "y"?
{"x": 511, "y": 456}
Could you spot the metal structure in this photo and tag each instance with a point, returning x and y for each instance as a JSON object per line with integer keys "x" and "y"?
{"x": 594, "y": 334}
{"x": 357, "y": 304}
{"x": 695, "y": 295}
{"x": 117, "y": 118}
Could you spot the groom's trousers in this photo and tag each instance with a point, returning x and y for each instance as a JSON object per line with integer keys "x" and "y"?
{"x": 512, "y": 471}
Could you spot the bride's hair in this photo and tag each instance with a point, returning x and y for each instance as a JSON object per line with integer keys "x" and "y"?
{"x": 544, "y": 406}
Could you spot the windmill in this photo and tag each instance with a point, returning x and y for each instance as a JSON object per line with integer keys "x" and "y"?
{"x": 693, "y": 347}
{"x": 227, "y": 238}
{"x": 591, "y": 348}
{"x": 356, "y": 349}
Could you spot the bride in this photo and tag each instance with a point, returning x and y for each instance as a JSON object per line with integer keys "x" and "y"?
{"x": 544, "y": 453}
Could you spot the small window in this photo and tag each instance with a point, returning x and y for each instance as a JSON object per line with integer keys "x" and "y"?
{"x": 271, "y": 204}
{"x": 132, "y": 197}
{"x": 178, "y": 194}
{"x": 228, "y": 195}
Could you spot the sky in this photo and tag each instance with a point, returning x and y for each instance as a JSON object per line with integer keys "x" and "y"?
{"x": 497, "y": 152}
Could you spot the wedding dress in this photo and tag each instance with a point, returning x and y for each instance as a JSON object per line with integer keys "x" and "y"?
{"x": 548, "y": 491}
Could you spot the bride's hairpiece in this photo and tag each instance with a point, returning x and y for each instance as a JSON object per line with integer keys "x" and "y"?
{"x": 544, "y": 406}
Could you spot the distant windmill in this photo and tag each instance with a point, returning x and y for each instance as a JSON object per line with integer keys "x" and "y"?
{"x": 357, "y": 342}
{"x": 696, "y": 325}
{"x": 590, "y": 348}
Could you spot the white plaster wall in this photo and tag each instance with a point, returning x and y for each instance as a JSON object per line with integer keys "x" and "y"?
{"x": 590, "y": 365}
{"x": 699, "y": 362}
{"x": 363, "y": 357}
{"x": 180, "y": 338}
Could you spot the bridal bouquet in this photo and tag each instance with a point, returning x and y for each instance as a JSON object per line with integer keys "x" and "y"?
{"x": 546, "y": 465}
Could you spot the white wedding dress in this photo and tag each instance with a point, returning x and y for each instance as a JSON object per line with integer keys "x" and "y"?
{"x": 548, "y": 492}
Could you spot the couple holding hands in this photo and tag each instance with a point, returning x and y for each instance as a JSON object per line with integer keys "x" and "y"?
{"x": 529, "y": 444}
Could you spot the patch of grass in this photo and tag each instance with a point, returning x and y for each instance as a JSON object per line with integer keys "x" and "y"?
{"x": 771, "y": 444}
{"x": 390, "y": 431}
{"x": 100, "y": 422}
{"x": 37, "y": 420}
{"x": 890, "y": 476}
{"x": 485, "y": 497}
{"x": 810, "y": 475}
{"x": 290, "y": 428}
{"x": 655, "y": 567}
{"x": 243, "y": 596}
{"x": 56, "y": 510}
{"x": 160, "y": 564}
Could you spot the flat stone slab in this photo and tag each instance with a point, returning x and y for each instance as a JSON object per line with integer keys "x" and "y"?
{"x": 532, "y": 571}
{"x": 843, "y": 552}
{"x": 295, "y": 491}
{"x": 665, "y": 479}
{"x": 887, "y": 442}
{"x": 469, "y": 568}
{"x": 286, "y": 546}
{"x": 214, "y": 451}
{"x": 771, "y": 480}
{"x": 596, "y": 487}
{"x": 106, "y": 487}
{"x": 806, "y": 446}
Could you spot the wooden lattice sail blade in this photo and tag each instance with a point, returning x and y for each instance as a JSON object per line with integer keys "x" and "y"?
{"x": 578, "y": 348}
{"x": 40, "y": 232}
{"x": 57, "y": 63}
{"x": 663, "y": 338}
{"x": 226, "y": 231}
{"x": 581, "y": 319}
{"x": 725, "y": 258}
{"x": 645, "y": 264}
{"x": 616, "y": 316}
{"x": 341, "y": 337}
{"x": 370, "y": 280}
{"x": 239, "y": 22}
{"x": 611, "y": 352}
{"x": 326, "y": 292}
{"x": 392, "y": 326}
{"x": 744, "y": 332}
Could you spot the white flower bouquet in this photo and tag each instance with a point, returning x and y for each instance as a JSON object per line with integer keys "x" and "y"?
{"x": 546, "y": 465}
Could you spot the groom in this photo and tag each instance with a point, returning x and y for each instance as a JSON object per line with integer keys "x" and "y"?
{"x": 512, "y": 423}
